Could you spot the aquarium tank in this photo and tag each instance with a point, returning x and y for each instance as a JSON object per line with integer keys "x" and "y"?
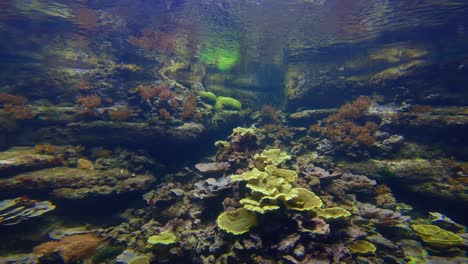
{"x": 233, "y": 131}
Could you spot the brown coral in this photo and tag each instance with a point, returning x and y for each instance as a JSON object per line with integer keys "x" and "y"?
{"x": 16, "y": 106}
{"x": 19, "y": 112}
{"x": 89, "y": 102}
{"x": 269, "y": 114}
{"x": 12, "y": 99}
{"x": 351, "y": 111}
{"x": 189, "y": 107}
{"x": 151, "y": 40}
{"x": 71, "y": 248}
{"x": 121, "y": 113}
{"x": 343, "y": 127}
{"x": 148, "y": 93}
{"x": 87, "y": 19}
{"x": 164, "y": 115}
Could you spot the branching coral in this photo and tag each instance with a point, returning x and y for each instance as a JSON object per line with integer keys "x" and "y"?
{"x": 161, "y": 90}
{"x": 189, "y": 108}
{"x": 343, "y": 127}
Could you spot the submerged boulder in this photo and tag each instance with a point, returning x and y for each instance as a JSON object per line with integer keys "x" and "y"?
{"x": 76, "y": 184}
{"x": 22, "y": 159}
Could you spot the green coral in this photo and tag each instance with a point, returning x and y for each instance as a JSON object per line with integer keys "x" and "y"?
{"x": 208, "y": 97}
{"x": 272, "y": 187}
{"x": 305, "y": 200}
{"x": 436, "y": 236}
{"x": 164, "y": 238}
{"x": 361, "y": 247}
{"x": 228, "y": 103}
{"x": 271, "y": 156}
{"x": 332, "y": 212}
{"x": 237, "y": 222}
{"x": 140, "y": 260}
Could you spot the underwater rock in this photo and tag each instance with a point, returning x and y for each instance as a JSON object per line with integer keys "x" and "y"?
{"x": 288, "y": 244}
{"x": 211, "y": 187}
{"x": 130, "y": 256}
{"x": 311, "y": 226}
{"x": 400, "y": 71}
{"x": 442, "y": 179}
{"x": 108, "y": 132}
{"x": 20, "y": 259}
{"x": 59, "y": 234}
{"x": 436, "y": 122}
{"x": 322, "y": 174}
{"x": 213, "y": 167}
{"x": 311, "y": 115}
{"x": 15, "y": 211}
{"x": 164, "y": 194}
{"x": 23, "y": 159}
{"x": 76, "y": 184}
{"x": 380, "y": 216}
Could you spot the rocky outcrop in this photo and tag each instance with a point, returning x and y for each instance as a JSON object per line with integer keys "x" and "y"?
{"x": 25, "y": 171}
{"x": 76, "y": 184}
{"x": 24, "y": 159}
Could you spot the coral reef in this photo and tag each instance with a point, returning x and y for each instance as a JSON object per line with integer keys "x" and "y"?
{"x": 342, "y": 137}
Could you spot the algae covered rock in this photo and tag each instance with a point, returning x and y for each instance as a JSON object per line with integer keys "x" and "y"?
{"x": 24, "y": 159}
{"x": 237, "y": 222}
{"x": 76, "y": 184}
{"x": 208, "y": 97}
{"x": 228, "y": 103}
